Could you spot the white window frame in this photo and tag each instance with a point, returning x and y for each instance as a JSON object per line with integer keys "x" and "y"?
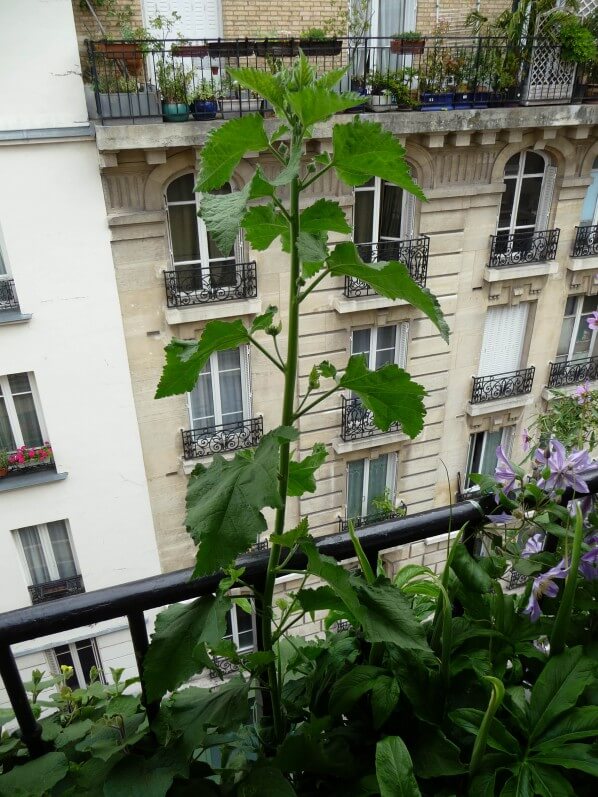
{"x": 391, "y": 480}
{"x": 576, "y": 322}
{"x": 245, "y": 388}
{"x": 47, "y": 551}
{"x": 54, "y": 666}
{"x": 508, "y": 433}
{"x": 234, "y": 635}
{"x": 542, "y": 198}
{"x": 401, "y": 338}
{"x": 11, "y": 411}
{"x": 407, "y": 212}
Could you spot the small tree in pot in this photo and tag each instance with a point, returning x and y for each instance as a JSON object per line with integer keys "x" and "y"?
{"x": 204, "y": 104}
{"x": 174, "y": 85}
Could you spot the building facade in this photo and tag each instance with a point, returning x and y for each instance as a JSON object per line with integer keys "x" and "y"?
{"x": 74, "y": 505}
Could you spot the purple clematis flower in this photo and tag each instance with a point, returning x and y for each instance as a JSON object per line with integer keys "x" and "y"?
{"x": 526, "y": 440}
{"x": 585, "y": 504}
{"x": 564, "y": 470}
{"x": 588, "y": 565}
{"x": 583, "y": 393}
{"x": 592, "y": 320}
{"x": 535, "y": 544}
{"x": 504, "y": 473}
{"x": 500, "y": 517}
{"x": 544, "y": 585}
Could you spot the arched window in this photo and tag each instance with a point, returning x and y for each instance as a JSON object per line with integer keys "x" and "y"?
{"x": 383, "y": 214}
{"x": 589, "y": 210}
{"x": 199, "y": 264}
{"x": 526, "y": 201}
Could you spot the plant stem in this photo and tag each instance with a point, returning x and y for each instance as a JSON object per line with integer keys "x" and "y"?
{"x": 267, "y": 354}
{"x": 479, "y": 748}
{"x": 316, "y": 176}
{"x": 561, "y": 621}
{"x": 315, "y": 283}
{"x": 316, "y": 401}
{"x": 285, "y": 455}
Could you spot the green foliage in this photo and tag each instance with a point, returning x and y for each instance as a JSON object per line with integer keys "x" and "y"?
{"x": 572, "y": 421}
{"x": 226, "y": 146}
{"x": 35, "y": 777}
{"x": 302, "y": 474}
{"x": 394, "y": 769}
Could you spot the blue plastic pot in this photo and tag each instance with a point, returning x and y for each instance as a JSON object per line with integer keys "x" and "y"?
{"x": 203, "y": 110}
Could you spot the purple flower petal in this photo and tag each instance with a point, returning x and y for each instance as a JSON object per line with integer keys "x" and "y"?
{"x": 501, "y": 517}
{"x": 588, "y": 565}
{"x": 535, "y": 544}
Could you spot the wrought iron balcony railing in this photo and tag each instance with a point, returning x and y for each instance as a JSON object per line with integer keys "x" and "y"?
{"x": 219, "y": 438}
{"x": 573, "y": 372}
{"x": 413, "y": 253}
{"x": 8, "y": 295}
{"x": 60, "y": 588}
{"x": 358, "y": 422}
{"x": 523, "y": 247}
{"x": 506, "y": 385}
{"x": 132, "y": 600}
{"x": 586, "y": 241}
{"x": 362, "y": 522}
{"x": 219, "y": 283}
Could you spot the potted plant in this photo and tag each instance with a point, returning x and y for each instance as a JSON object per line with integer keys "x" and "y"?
{"x": 407, "y": 43}
{"x": 26, "y": 456}
{"x": 235, "y": 101}
{"x": 174, "y": 84}
{"x": 204, "y": 105}
{"x": 316, "y": 41}
{"x": 122, "y": 96}
{"x": 436, "y": 94}
{"x": 378, "y": 85}
{"x": 401, "y": 92}
{"x": 277, "y": 46}
{"x": 240, "y": 48}
{"x": 3, "y": 462}
{"x": 577, "y": 41}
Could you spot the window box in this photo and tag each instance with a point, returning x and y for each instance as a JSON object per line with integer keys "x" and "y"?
{"x": 370, "y": 520}
{"x": 321, "y": 46}
{"x": 231, "y": 49}
{"x": 60, "y": 588}
{"x": 407, "y": 46}
{"x": 277, "y": 48}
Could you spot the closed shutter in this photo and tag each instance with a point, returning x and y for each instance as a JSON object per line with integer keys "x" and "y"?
{"x": 408, "y": 225}
{"x": 502, "y": 343}
{"x": 200, "y": 19}
{"x": 402, "y": 338}
{"x": 543, "y": 217}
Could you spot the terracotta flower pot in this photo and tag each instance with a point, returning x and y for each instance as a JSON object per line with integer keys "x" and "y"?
{"x": 407, "y": 46}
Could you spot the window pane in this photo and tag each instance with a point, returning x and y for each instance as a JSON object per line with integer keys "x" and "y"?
{"x": 201, "y": 400}
{"x": 19, "y": 383}
{"x": 529, "y": 200}
{"x": 506, "y": 205}
{"x": 34, "y": 555}
{"x": 32, "y": 434}
{"x": 355, "y": 488}
{"x": 391, "y": 204}
{"x": 361, "y": 342}
{"x": 223, "y": 273}
{"x": 376, "y": 481}
{"x": 363, "y": 216}
{"x": 65, "y": 659}
{"x": 61, "y": 547}
{"x": 475, "y": 452}
{"x": 231, "y": 358}
{"x": 588, "y": 209}
{"x": 565, "y": 339}
{"x": 87, "y": 658}
{"x": 571, "y": 305}
{"x": 181, "y": 189}
{"x": 512, "y": 165}
{"x": 183, "y": 232}
{"x": 385, "y": 350}
{"x": 488, "y": 464}
{"x": 7, "y": 440}
{"x": 590, "y": 303}
{"x": 534, "y": 163}
{"x": 583, "y": 339}
{"x": 231, "y": 396}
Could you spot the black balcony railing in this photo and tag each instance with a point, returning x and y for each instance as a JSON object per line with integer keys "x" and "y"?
{"x": 133, "y": 599}
{"x": 573, "y": 372}
{"x": 523, "y": 247}
{"x": 218, "y": 283}
{"x": 413, "y": 253}
{"x": 219, "y": 438}
{"x": 8, "y": 295}
{"x": 60, "y": 588}
{"x": 586, "y": 241}
{"x": 358, "y": 422}
{"x": 362, "y": 522}
{"x": 497, "y": 386}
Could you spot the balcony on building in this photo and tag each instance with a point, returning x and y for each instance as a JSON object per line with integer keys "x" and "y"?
{"x": 523, "y": 248}
{"x": 501, "y": 391}
{"x": 10, "y": 309}
{"x": 129, "y": 78}
{"x": 59, "y": 588}
{"x": 369, "y": 520}
{"x": 194, "y": 285}
{"x": 586, "y": 242}
{"x": 573, "y": 372}
{"x": 413, "y": 253}
{"x": 221, "y": 438}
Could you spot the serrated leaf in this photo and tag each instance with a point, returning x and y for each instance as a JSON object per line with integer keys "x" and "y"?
{"x": 73, "y": 733}
{"x": 386, "y": 616}
{"x": 180, "y": 629}
{"x": 385, "y": 696}
{"x": 330, "y": 78}
{"x": 302, "y": 474}
{"x": 224, "y": 148}
{"x": 262, "y": 225}
{"x": 391, "y": 280}
{"x": 224, "y": 502}
{"x": 326, "y": 568}
{"x": 260, "y": 82}
{"x": 312, "y": 251}
{"x": 185, "y": 359}
{"x": 35, "y": 778}
{"x": 394, "y": 769}
{"x": 389, "y": 393}
{"x": 292, "y": 537}
{"x": 265, "y": 320}
{"x": 258, "y": 659}
{"x": 151, "y": 777}
{"x": 319, "y": 599}
{"x": 265, "y": 780}
{"x": 363, "y": 150}
{"x": 327, "y": 370}
{"x": 317, "y": 103}
{"x": 324, "y": 216}
{"x": 349, "y": 688}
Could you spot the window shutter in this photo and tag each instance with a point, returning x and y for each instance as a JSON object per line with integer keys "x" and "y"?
{"x": 246, "y": 354}
{"x": 408, "y": 217}
{"x": 508, "y": 435}
{"x": 402, "y": 338}
{"x": 168, "y": 236}
{"x": 502, "y": 343}
{"x": 545, "y": 203}
{"x": 240, "y": 247}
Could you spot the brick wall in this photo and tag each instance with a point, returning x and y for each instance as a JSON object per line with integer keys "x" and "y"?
{"x": 455, "y": 11}
{"x": 87, "y": 28}
{"x": 241, "y": 18}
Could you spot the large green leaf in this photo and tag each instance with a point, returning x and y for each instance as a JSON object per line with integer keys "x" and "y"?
{"x": 226, "y": 146}
{"x": 262, "y": 225}
{"x": 324, "y": 216}
{"x": 470, "y": 719}
{"x": 265, "y": 780}
{"x": 394, "y": 769}
{"x": 186, "y": 358}
{"x": 520, "y": 784}
{"x": 316, "y": 103}
{"x": 389, "y": 393}
{"x": 181, "y": 629}
{"x": 319, "y": 599}
{"x": 312, "y": 251}
{"x": 579, "y": 723}
{"x": 385, "y": 696}
{"x": 334, "y": 574}
{"x": 435, "y": 756}
{"x": 363, "y": 150}
{"x": 548, "y": 782}
{"x": 35, "y": 778}
{"x": 483, "y": 784}
{"x": 583, "y": 757}
{"x": 391, "y": 280}
{"x": 265, "y": 84}
{"x": 468, "y": 571}
{"x": 74, "y": 732}
{"x": 302, "y": 474}
{"x": 558, "y": 687}
{"x": 350, "y": 687}
{"x": 386, "y": 616}
{"x": 224, "y": 501}
{"x": 150, "y": 777}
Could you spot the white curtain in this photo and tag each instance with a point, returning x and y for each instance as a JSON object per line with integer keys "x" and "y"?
{"x": 34, "y": 555}
{"x": 231, "y": 389}
{"x": 376, "y": 481}
{"x": 61, "y": 548}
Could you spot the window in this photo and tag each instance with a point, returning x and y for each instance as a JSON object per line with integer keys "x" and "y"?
{"x": 383, "y": 214}
{"x": 221, "y": 395}
{"x": 577, "y": 340}
{"x": 368, "y": 480}
{"x": 381, "y": 345}
{"x": 504, "y": 336}
{"x": 482, "y": 450}
{"x": 47, "y": 552}
{"x": 240, "y": 629}
{"x": 20, "y": 416}
{"x": 82, "y": 656}
{"x": 589, "y": 210}
{"x": 199, "y": 263}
